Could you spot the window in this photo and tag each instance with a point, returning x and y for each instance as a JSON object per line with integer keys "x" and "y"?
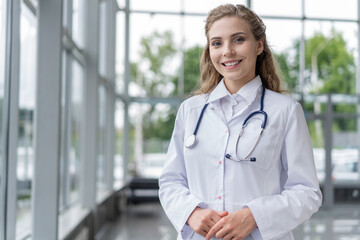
{"x": 102, "y": 137}
{"x": 334, "y": 9}
{"x": 75, "y": 126}
{"x": 159, "y": 39}
{"x": 78, "y": 22}
{"x": 118, "y": 158}
{"x": 161, "y": 5}
{"x": 103, "y": 40}
{"x": 72, "y": 103}
{"x": 204, "y": 6}
{"x": 25, "y": 151}
{"x": 277, "y": 8}
{"x": 120, "y": 51}
{"x": 151, "y": 128}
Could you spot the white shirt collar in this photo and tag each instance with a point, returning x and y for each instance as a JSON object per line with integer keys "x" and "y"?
{"x": 248, "y": 91}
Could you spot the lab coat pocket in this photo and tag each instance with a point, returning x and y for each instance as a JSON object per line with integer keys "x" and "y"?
{"x": 265, "y": 147}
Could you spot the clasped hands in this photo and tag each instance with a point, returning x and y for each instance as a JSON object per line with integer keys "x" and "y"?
{"x": 221, "y": 224}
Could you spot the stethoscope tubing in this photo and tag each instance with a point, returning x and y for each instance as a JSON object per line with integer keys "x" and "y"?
{"x": 190, "y": 141}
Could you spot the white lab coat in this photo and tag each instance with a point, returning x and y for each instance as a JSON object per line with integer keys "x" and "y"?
{"x": 281, "y": 188}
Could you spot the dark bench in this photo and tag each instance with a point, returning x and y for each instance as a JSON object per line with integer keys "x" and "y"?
{"x": 143, "y": 190}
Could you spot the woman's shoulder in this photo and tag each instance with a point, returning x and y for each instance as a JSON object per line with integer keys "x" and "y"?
{"x": 194, "y": 101}
{"x": 282, "y": 101}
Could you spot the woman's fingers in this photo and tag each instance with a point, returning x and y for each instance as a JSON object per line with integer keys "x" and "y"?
{"x": 213, "y": 230}
{"x": 202, "y": 220}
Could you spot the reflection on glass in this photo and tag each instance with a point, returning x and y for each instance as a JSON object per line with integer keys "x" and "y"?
{"x": 118, "y": 158}
{"x": 75, "y": 129}
{"x": 154, "y": 55}
{"x": 334, "y": 9}
{"x": 277, "y": 7}
{"x": 204, "y": 6}
{"x": 152, "y": 128}
{"x": 25, "y": 151}
{"x": 101, "y": 160}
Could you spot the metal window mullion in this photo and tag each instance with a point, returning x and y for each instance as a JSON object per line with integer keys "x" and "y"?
{"x": 30, "y": 6}
{"x": 47, "y": 121}
{"x": 10, "y": 121}
{"x": 126, "y": 136}
{"x": 328, "y": 183}
{"x": 68, "y": 130}
{"x": 90, "y": 109}
{"x": 111, "y": 93}
{"x": 109, "y": 140}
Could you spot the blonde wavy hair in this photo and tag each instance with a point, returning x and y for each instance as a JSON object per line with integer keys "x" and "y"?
{"x": 266, "y": 65}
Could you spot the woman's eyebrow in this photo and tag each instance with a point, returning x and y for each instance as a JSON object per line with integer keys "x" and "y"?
{"x": 232, "y": 35}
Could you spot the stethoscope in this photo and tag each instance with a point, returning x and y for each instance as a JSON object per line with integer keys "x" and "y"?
{"x": 191, "y": 140}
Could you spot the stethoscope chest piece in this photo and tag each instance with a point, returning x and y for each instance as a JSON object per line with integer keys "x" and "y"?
{"x": 190, "y": 141}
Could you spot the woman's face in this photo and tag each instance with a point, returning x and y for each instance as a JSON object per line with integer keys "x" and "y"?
{"x": 233, "y": 51}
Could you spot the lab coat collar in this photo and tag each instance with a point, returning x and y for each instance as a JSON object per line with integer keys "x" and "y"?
{"x": 248, "y": 91}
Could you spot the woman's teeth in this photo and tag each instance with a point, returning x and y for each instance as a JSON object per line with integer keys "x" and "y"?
{"x": 231, "y": 63}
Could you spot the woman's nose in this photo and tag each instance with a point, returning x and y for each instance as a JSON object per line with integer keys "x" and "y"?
{"x": 228, "y": 51}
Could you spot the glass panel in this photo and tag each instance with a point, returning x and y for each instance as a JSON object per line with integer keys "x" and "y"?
{"x": 25, "y": 151}
{"x": 158, "y": 5}
{"x": 75, "y": 129}
{"x": 317, "y": 139}
{"x": 78, "y": 22}
{"x": 285, "y": 47}
{"x": 101, "y": 160}
{"x": 195, "y": 41}
{"x": 277, "y": 7}
{"x": 152, "y": 127}
{"x": 103, "y": 27}
{"x": 118, "y": 158}
{"x": 345, "y": 154}
{"x": 121, "y": 3}
{"x": 120, "y": 51}
{"x": 334, "y": 9}
{"x": 154, "y": 55}
{"x": 204, "y": 6}
{"x": 329, "y": 57}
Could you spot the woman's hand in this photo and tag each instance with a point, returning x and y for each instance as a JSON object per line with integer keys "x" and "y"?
{"x": 235, "y": 226}
{"x": 202, "y": 220}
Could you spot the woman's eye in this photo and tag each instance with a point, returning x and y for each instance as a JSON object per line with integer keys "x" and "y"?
{"x": 239, "y": 39}
{"x": 216, "y": 43}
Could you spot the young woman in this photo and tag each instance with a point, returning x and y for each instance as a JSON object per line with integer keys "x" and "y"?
{"x": 240, "y": 163}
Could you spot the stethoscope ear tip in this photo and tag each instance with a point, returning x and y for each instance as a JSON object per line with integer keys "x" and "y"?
{"x": 253, "y": 159}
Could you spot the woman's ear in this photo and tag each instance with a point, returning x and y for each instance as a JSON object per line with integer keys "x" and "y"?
{"x": 260, "y": 46}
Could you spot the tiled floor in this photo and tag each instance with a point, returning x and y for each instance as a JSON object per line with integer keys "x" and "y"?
{"x": 148, "y": 221}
